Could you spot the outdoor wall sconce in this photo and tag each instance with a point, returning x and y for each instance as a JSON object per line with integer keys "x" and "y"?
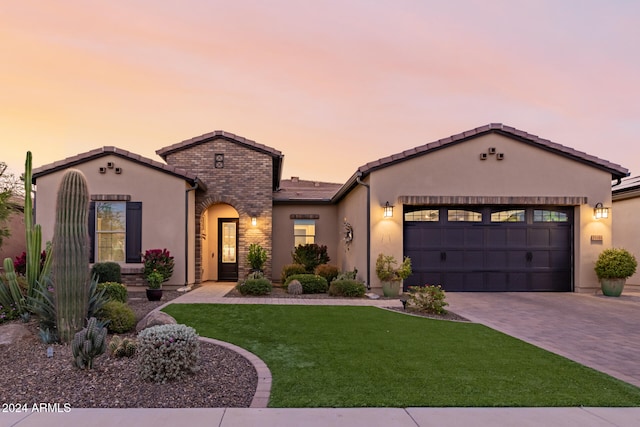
{"x": 600, "y": 211}
{"x": 254, "y": 221}
{"x": 387, "y": 210}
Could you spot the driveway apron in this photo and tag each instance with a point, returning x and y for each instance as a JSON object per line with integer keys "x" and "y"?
{"x": 597, "y": 331}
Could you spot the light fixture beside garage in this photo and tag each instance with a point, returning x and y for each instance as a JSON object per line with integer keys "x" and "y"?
{"x": 387, "y": 210}
{"x": 600, "y": 211}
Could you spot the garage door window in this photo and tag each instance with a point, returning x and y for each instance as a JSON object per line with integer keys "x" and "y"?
{"x": 541, "y": 215}
{"x": 508, "y": 216}
{"x": 459, "y": 215}
{"x": 424, "y": 215}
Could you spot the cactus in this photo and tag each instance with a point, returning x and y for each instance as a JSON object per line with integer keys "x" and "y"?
{"x": 294, "y": 288}
{"x": 33, "y": 240}
{"x": 33, "y": 231}
{"x": 122, "y": 347}
{"x": 71, "y": 254}
{"x": 88, "y": 344}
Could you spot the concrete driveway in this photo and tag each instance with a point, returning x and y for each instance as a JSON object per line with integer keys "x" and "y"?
{"x": 597, "y": 331}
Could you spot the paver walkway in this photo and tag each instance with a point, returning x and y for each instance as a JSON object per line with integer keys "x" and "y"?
{"x": 596, "y": 331}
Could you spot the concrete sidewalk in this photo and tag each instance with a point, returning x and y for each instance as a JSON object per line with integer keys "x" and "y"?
{"x": 519, "y": 314}
{"x": 328, "y": 417}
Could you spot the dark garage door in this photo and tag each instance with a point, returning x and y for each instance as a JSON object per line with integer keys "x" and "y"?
{"x": 490, "y": 249}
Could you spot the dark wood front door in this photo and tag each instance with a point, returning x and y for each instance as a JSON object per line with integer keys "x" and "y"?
{"x": 228, "y": 249}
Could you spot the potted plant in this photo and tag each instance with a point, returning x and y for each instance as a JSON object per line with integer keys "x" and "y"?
{"x": 390, "y": 275}
{"x": 158, "y": 268}
{"x": 256, "y": 257}
{"x": 613, "y": 267}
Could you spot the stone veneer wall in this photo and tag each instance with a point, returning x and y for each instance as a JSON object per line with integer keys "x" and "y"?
{"x": 245, "y": 182}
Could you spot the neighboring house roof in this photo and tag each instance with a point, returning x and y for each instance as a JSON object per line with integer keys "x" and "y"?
{"x": 295, "y": 190}
{"x": 616, "y": 171}
{"x": 70, "y": 162}
{"x": 626, "y": 189}
{"x": 277, "y": 156}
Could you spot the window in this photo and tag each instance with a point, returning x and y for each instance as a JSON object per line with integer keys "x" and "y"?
{"x": 540, "y": 215}
{"x": 304, "y": 231}
{"x": 459, "y": 215}
{"x": 111, "y": 227}
{"x": 428, "y": 215}
{"x": 115, "y": 229}
{"x": 513, "y": 215}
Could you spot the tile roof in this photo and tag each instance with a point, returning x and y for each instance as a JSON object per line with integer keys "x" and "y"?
{"x": 109, "y": 150}
{"x": 295, "y": 190}
{"x": 163, "y": 152}
{"x": 617, "y": 171}
{"x": 627, "y": 188}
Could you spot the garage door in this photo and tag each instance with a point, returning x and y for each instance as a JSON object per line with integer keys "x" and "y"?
{"x": 490, "y": 249}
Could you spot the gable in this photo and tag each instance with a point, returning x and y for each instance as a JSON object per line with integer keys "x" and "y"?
{"x": 464, "y": 139}
{"x": 203, "y": 148}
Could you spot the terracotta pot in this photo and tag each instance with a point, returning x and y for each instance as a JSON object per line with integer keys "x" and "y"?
{"x": 612, "y": 287}
{"x": 391, "y": 288}
{"x": 154, "y": 294}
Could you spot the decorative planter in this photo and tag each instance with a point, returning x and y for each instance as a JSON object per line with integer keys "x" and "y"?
{"x": 612, "y": 287}
{"x": 391, "y": 288}
{"x": 154, "y": 294}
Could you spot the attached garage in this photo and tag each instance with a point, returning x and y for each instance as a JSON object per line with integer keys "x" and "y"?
{"x": 490, "y": 248}
{"x": 493, "y": 209}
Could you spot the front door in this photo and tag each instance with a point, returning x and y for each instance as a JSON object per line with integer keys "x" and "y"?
{"x": 228, "y": 249}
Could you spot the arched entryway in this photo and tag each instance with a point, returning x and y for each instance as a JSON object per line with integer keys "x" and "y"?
{"x": 219, "y": 231}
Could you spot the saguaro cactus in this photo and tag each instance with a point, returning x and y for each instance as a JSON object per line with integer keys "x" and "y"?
{"x": 71, "y": 254}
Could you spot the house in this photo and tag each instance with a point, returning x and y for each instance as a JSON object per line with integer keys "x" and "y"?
{"x": 490, "y": 209}
{"x": 626, "y": 202}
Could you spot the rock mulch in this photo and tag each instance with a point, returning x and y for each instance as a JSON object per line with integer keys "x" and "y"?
{"x": 225, "y": 379}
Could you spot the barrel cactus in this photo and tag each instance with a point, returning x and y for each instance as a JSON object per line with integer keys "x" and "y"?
{"x": 122, "y": 347}
{"x": 71, "y": 254}
{"x": 294, "y": 288}
{"x": 88, "y": 344}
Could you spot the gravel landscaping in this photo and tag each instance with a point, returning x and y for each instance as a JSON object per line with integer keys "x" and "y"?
{"x": 225, "y": 379}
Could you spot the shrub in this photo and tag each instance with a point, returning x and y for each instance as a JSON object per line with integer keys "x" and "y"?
{"x": 122, "y": 347}
{"x": 88, "y": 344}
{"x": 113, "y": 291}
{"x": 311, "y": 283}
{"x": 291, "y": 269}
{"x": 294, "y": 288}
{"x": 261, "y": 286}
{"x": 158, "y": 260}
{"x": 310, "y": 255}
{"x": 327, "y": 271}
{"x": 167, "y": 352}
{"x": 8, "y": 313}
{"x": 347, "y": 288}
{"x": 107, "y": 272}
{"x": 427, "y": 298}
{"x": 386, "y": 270}
{"x": 119, "y": 315}
{"x": 615, "y": 263}
{"x": 257, "y": 256}
{"x": 348, "y": 275}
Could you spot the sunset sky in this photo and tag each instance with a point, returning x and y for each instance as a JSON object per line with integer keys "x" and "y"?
{"x": 331, "y": 84}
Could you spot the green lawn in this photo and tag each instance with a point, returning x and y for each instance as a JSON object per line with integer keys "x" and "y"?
{"x": 323, "y": 356}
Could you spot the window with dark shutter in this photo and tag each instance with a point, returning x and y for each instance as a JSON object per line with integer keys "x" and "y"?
{"x": 134, "y": 232}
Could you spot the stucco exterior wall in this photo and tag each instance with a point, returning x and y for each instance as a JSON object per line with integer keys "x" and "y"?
{"x": 13, "y": 245}
{"x": 162, "y": 196}
{"x": 353, "y": 209}
{"x": 327, "y": 233}
{"x": 626, "y": 233}
{"x": 245, "y": 183}
{"x": 525, "y": 171}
